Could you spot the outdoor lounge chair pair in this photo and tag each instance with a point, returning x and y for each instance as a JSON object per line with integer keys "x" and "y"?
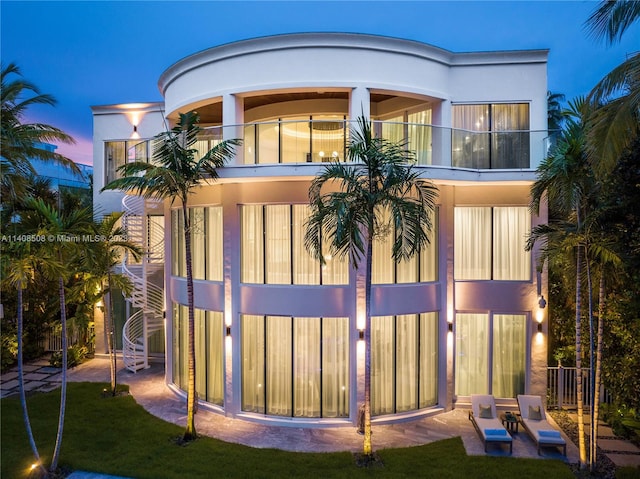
{"x": 485, "y": 419}
{"x": 534, "y": 420}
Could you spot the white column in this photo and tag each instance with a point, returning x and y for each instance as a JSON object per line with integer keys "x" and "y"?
{"x": 442, "y": 135}
{"x": 359, "y": 102}
{"x": 233, "y": 121}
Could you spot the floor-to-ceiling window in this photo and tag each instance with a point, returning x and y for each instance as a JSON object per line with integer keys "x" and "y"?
{"x": 273, "y": 252}
{"x": 404, "y": 362}
{"x": 491, "y": 353}
{"x": 294, "y": 366}
{"x": 489, "y": 243}
{"x": 209, "y": 350}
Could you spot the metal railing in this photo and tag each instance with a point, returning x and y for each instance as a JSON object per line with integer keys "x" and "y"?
{"x": 562, "y": 390}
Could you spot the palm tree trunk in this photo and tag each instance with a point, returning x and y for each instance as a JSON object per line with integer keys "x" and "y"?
{"x": 581, "y": 443}
{"x": 592, "y": 457}
{"x": 367, "y": 447}
{"x": 23, "y": 398}
{"x": 190, "y": 431}
{"x": 598, "y": 369}
{"x": 113, "y": 367}
{"x": 63, "y": 387}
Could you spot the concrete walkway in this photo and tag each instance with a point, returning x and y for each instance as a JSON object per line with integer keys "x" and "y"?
{"x": 150, "y": 391}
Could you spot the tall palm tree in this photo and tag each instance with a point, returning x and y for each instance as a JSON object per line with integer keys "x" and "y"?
{"x": 100, "y": 260}
{"x": 20, "y": 142}
{"x": 63, "y": 229}
{"x": 564, "y": 178}
{"x": 347, "y": 202}
{"x": 175, "y": 171}
{"x": 615, "y": 118}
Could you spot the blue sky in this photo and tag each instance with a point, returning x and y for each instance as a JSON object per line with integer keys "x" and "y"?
{"x": 100, "y": 52}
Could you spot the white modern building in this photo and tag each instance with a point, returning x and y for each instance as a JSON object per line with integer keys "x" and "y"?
{"x": 277, "y": 336}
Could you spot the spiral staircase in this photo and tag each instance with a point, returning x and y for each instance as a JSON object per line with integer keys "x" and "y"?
{"x": 146, "y": 275}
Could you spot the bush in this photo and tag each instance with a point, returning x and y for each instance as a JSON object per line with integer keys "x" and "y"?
{"x": 76, "y": 354}
{"x": 9, "y": 349}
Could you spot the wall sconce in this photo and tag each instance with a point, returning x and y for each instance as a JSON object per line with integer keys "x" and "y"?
{"x": 542, "y": 302}
{"x": 361, "y": 334}
{"x": 135, "y": 135}
{"x": 539, "y": 327}
{"x": 228, "y": 330}
{"x": 450, "y": 327}
{"x": 539, "y": 319}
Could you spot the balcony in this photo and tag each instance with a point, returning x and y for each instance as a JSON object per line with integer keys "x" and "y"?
{"x": 318, "y": 141}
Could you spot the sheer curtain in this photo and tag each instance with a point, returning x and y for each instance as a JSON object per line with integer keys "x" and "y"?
{"x": 428, "y": 359}
{"x": 393, "y": 129}
{"x": 511, "y": 148}
{"x": 406, "y": 362}
{"x": 382, "y": 367}
{"x": 197, "y": 242}
{"x": 178, "y": 267}
{"x": 215, "y": 357}
{"x": 180, "y": 345}
{"x": 429, "y": 255}
{"x": 277, "y": 244}
{"x": 295, "y": 140}
{"x": 214, "y": 238}
{"x": 306, "y": 367}
{"x": 472, "y": 243}
{"x": 278, "y": 366}
{"x": 252, "y": 254}
{"x": 336, "y": 269}
{"x": 253, "y": 350}
{"x": 420, "y": 136}
{"x": 382, "y": 264}
{"x": 306, "y": 269}
{"x": 200, "y": 333}
{"x": 335, "y": 367}
{"x": 511, "y": 227}
{"x": 509, "y": 354}
{"x": 468, "y": 148}
{"x": 472, "y": 354}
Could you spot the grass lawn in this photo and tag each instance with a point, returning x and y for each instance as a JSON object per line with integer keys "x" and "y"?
{"x": 117, "y": 436}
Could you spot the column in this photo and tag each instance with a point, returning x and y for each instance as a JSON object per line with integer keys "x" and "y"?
{"x": 233, "y": 122}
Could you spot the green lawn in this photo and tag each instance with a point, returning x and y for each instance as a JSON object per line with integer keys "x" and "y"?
{"x": 116, "y": 436}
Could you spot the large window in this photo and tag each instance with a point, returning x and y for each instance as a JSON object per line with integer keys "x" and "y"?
{"x": 404, "y": 362}
{"x": 273, "y": 252}
{"x": 117, "y": 153}
{"x": 422, "y": 267}
{"x": 206, "y": 243}
{"x": 490, "y": 135}
{"x": 490, "y": 363}
{"x": 414, "y": 128}
{"x": 490, "y": 243}
{"x": 209, "y": 349}
{"x": 295, "y": 367}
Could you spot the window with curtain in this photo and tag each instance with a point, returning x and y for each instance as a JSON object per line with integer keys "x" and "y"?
{"x": 490, "y": 135}
{"x": 490, "y": 364}
{"x": 295, "y": 367}
{"x": 209, "y": 350}
{"x": 273, "y": 252}
{"x": 117, "y": 153}
{"x": 489, "y": 243}
{"x": 404, "y": 362}
{"x": 420, "y": 134}
{"x": 421, "y": 268}
{"x": 206, "y": 243}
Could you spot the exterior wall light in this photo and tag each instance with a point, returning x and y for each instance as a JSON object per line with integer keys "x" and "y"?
{"x": 542, "y": 302}
{"x": 135, "y": 135}
{"x": 450, "y": 327}
{"x": 228, "y": 330}
{"x": 361, "y": 334}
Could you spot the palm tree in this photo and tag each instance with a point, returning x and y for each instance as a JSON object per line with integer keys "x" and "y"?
{"x": 20, "y": 142}
{"x": 564, "y": 178}
{"x": 100, "y": 261}
{"x": 176, "y": 170}
{"x": 615, "y": 118}
{"x": 347, "y": 203}
{"x": 64, "y": 229}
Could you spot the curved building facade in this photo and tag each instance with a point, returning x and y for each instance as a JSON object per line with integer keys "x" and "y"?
{"x": 277, "y": 334}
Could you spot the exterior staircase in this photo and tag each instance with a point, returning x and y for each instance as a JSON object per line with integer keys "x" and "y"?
{"x": 146, "y": 297}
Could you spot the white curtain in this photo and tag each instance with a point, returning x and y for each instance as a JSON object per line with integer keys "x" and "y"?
{"x": 472, "y": 243}
{"x": 327, "y": 136}
{"x": 306, "y": 367}
{"x": 335, "y": 269}
{"x": 511, "y": 227}
{"x": 511, "y": 148}
{"x": 472, "y": 354}
{"x": 197, "y": 242}
{"x": 393, "y": 129}
{"x": 252, "y": 243}
{"x": 295, "y": 140}
{"x": 180, "y": 345}
{"x": 200, "y": 333}
{"x": 335, "y": 367}
{"x": 429, "y": 255}
{"x": 428, "y": 359}
{"x": 249, "y": 144}
{"x": 382, "y": 366}
{"x": 406, "y": 362}
{"x": 468, "y": 148}
{"x": 253, "y": 349}
{"x": 306, "y": 269}
{"x": 268, "y": 142}
{"x": 509, "y": 354}
{"x": 277, "y": 244}
{"x": 214, "y": 238}
{"x": 215, "y": 357}
{"x": 382, "y": 264}
{"x": 278, "y": 367}
{"x": 178, "y": 267}
{"x": 420, "y": 136}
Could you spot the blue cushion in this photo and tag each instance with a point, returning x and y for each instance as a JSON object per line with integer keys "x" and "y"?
{"x": 495, "y": 432}
{"x": 549, "y": 434}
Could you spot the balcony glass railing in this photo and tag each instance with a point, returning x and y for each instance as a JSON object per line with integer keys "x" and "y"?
{"x": 317, "y": 141}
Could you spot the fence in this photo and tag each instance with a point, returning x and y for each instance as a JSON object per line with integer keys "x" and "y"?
{"x": 52, "y": 339}
{"x": 562, "y": 388}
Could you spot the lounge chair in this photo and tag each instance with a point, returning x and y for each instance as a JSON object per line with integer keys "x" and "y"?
{"x": 535, "y": 423}
{"x": 485, "y": 419}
